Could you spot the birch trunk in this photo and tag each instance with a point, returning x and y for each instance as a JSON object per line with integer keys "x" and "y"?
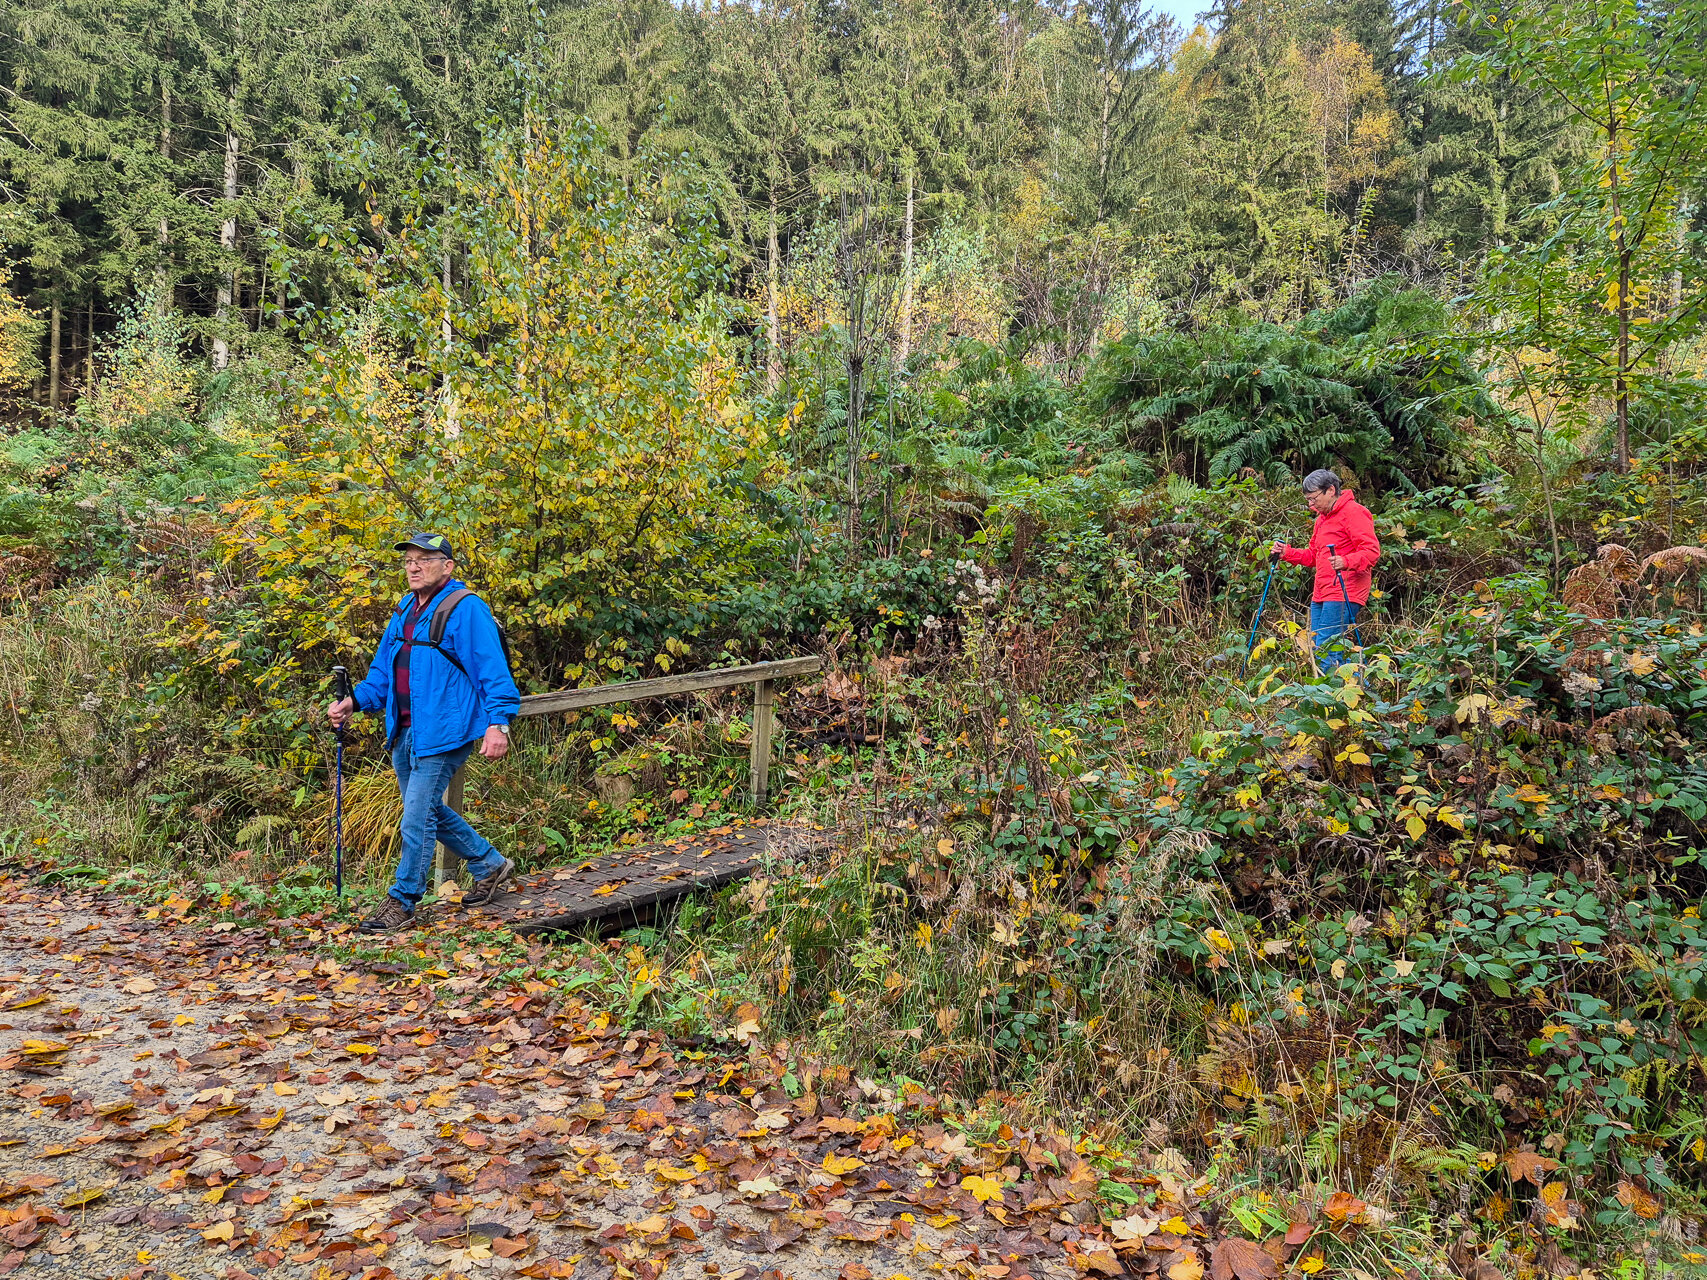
{"x": 773, "y": 321}
{"x": 227, "y": 243}
{"x": 906, "y": 345}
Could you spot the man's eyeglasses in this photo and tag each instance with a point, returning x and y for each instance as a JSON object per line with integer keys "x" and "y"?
{"x": 417, "y": 562}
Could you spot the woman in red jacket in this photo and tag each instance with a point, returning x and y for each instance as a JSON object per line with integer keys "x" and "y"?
{"x": 1344, "y": 524}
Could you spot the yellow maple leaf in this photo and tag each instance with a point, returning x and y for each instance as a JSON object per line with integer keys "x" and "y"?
{"x": 985, "y": 1189}
{"x": 360, "y": 1048}
{"x": 838, "y": 1165}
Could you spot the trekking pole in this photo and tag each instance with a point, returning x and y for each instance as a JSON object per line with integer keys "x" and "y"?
{"x": 341, "y": 690}
{"x": 1251, "y": 644}
{"x": 1356, "y": 632}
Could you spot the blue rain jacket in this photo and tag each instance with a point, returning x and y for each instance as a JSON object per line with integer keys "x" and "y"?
{"x": 446, "y": 707}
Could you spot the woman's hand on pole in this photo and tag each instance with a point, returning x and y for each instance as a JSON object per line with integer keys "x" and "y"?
{"x": 339, "y": 712}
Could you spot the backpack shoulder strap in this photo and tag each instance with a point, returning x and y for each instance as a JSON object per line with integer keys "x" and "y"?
{"x": 441, "y": 615}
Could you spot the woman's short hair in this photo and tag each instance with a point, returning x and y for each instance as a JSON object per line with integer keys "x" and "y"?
{"x": 1321, "y": 481}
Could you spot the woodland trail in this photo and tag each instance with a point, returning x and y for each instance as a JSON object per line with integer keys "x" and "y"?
{"x": 183, "y": 1096}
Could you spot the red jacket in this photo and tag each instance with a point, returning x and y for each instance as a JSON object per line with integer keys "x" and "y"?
{"x": 1350, "y": 530}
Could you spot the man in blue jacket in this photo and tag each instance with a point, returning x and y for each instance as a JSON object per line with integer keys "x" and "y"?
{"x": 444, "y": 683}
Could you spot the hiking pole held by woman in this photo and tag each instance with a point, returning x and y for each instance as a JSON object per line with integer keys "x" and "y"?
{"x": 1356, "y": 634}
{"x": 341, "y": 690}
{"x": 1251, "y": 644}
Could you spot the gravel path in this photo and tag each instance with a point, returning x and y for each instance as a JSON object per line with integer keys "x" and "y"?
{"x": 184, "y": 1097}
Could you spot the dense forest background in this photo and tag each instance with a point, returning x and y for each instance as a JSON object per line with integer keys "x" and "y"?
{"x": 978, "y": 349}
{"x": 1077, "y": 171}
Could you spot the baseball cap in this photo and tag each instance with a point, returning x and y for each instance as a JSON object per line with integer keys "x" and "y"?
{"x": 427, "y": 542}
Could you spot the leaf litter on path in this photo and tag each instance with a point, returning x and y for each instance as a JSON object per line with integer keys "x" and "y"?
{"x": 231, "y": 1101}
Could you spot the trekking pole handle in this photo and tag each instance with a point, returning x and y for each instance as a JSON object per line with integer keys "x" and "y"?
{"x": 341, "y": 682}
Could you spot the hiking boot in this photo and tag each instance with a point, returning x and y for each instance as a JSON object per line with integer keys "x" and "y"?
{"x": 485, "y": 890}
{"x": 391, "y": 917}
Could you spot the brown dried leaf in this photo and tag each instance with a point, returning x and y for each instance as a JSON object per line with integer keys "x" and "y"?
{"x": 1236, "y": 1258}
{"x": 1528, "y": 1166}
{"x": 1342, "y": 1206}
{"x": 1640, "y": 1201}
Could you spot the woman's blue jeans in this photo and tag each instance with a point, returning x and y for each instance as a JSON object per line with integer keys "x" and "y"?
{"x": 1328, "y": 622}
{"x": 428, "y": 820}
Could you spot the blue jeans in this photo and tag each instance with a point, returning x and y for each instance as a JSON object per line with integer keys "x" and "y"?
{"x": 1328, "y": 622}
{"x": 428, "y": 820}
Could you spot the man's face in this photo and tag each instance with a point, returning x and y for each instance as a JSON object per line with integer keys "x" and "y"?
{"x": 1322, "y": 501}
{"x": 426, "y": 570}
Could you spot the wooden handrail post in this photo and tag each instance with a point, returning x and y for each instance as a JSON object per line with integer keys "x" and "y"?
{"x": 764, "y": 696}
{"x": 441, "y": 857}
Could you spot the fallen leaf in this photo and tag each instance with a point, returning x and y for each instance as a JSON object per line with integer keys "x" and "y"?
{"x": 1236, "y": 1258}
{"x": 838, "y": 1165}
{"x": 1342, "y": 1206}
{"x": 1135, "y": 1227}
{"x": 1095, "y": 1256}
{"x": 1641, "y": 1202}
{"x": 985, "y": 1189}
{"x": 284, "y": 1090}
{"x": 758, "y": 1187}
{"x": 1527, "y": 1166}
{"x": 1561, "y": 1210}
{"x": 220, "y": 1231}
{"x": 141, "y": 985}
{"x": 1187, "y": 1268}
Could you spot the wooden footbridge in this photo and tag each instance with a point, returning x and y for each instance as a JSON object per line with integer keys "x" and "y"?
{"x": 625, "y": 886}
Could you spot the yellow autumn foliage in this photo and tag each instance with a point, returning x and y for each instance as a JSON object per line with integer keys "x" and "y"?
{"x": 574, "y": 434}
{"x": 18, "y": 329}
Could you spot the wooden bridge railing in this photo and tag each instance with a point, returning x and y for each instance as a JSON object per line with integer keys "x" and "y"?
{"x": 761, "y": 675}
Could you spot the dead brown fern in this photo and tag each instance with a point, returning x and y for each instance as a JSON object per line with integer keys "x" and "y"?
{"x": 1620, "y": 563}
{"x": 1627, "y": 720}
{"x": 1591, "y": 591}
{"x": 1674, "y": 562}
{"x": 1594, "y": 591}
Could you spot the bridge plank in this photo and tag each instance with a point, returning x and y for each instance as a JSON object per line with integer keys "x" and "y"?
{"x": 627, "y": 882}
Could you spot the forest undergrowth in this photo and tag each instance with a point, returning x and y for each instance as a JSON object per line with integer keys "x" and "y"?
{"x": 1426, "y": 933}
